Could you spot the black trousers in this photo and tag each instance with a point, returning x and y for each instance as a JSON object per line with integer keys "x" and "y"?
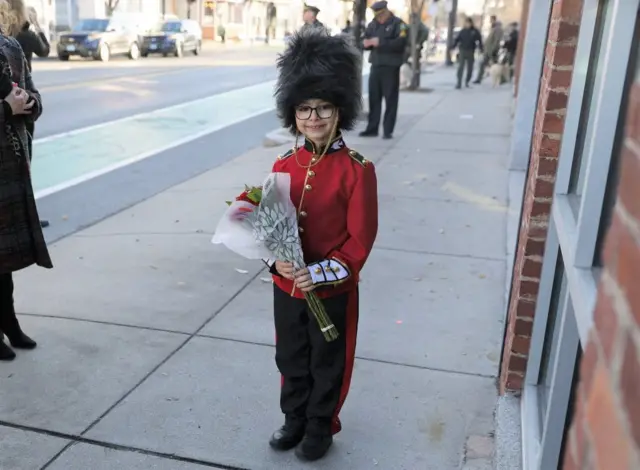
{"x": 465, "y": 60}
{"x": 315, "y": 373}
{"x": 384, "y": 82}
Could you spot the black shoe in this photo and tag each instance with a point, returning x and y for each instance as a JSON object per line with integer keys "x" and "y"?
{"x": 44, "y": 223}
{"x": 288, "y": 436}
{"x": 6, "y": 353}
{"x": 368, "y": 134}
{"x": 458, "y": 86}
{"x": 21, "y": 341}
{"x": 476, "y": 82}
{"x": 387, "y": 136}
{"x": 314, "y": 447}
{"x": 467, "y": 84}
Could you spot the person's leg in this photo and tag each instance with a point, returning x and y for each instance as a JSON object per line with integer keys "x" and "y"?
{"x": 461, "y": 62}
{"x": 375, "y": 103}
{"x": 483, "y": 64}
{"x": 9, "y": 324}
{"x": 391, "y": 93}
{"x": 470, "y": 61}
{"x": 292, "y": 359}
{"x": 6, "y": 298}
{"x": 331, "y": 368}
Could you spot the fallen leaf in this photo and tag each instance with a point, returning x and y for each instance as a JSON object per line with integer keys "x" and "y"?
{"x": 242, "y": 271}
{"x": 441, "y": 230}
{"x": 65, "y": 217}
{"x": 266, "y": 279}
{"x": 417, "y": 279}
{"x": 482, "y": 276}
{"x": 180, "y": 283}
{"x": 399, "y": 322}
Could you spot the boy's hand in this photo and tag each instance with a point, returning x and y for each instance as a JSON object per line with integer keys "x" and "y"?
{"x": 303, "y": 280}
{"x": 285, "y": 269}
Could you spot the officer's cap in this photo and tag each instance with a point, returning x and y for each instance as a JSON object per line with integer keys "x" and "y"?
{"x": 379, "y": 6}
{"x": 312, "y": 9}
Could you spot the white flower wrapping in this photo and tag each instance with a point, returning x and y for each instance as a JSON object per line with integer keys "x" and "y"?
{"x": 269, "y": 231}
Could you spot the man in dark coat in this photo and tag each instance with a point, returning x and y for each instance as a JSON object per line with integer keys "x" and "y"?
{"x": 386, "y": 38}
{"x": 467, "y": 41}
{"x": 22, "y": 243}
{"x": 310, "y": 17}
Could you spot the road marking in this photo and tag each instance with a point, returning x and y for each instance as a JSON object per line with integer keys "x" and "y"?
{"x": 143, "y": 156}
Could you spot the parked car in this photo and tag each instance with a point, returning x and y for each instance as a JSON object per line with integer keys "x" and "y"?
{"x": 99, "y": 39}
{"x": 173, "y": 37}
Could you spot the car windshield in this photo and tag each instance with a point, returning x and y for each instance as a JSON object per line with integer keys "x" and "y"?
{"x": 172, "y": 27}
{"x": 91, "y": 25}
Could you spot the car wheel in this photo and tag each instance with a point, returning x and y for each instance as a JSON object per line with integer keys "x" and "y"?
{"x": 198, "y": 48}
{"x": 104, "y": 54}
{"x": 144, "y": 54}
{"x": 63, "y": 57}
{"x": 134, "y": 51}
{"x": 179, "y": 50}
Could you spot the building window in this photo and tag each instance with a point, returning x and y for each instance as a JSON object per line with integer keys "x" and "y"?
{"x": 558, "y": 294}
{"x": 587, "y": 114}
{"x": 612, "y": 180}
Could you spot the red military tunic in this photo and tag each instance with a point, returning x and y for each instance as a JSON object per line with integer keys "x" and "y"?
{"x": 338, "y": 214}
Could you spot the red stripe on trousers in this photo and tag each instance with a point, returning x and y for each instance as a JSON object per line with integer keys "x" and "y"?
{"x": 350, "y": 354}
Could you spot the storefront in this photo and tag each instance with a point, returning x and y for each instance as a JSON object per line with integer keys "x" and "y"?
{"x": 586, "y": 184}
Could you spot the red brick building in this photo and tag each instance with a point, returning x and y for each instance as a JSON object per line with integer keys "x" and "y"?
{"x": 572, "y": 341}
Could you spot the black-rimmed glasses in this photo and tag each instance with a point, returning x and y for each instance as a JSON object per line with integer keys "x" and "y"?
{"x": 324, "y": 111}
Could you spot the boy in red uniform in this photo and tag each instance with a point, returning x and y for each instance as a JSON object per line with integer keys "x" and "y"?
{"x": 335, "y": 190}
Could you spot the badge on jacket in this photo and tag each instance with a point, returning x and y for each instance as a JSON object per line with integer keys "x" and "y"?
{"x": 403, "y": 30}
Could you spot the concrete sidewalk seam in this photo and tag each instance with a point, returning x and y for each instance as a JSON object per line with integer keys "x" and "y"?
{"x": 75, "y": 439}
{"x": 103, "y": 322}
{"x": 435, "y": 253}
{"x": 474, "y": 134}
{"x": 360, "y": 358}
{"x": 154, "y": 369}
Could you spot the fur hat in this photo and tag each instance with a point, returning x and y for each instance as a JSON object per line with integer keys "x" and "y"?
{"x": 318, "y": 66}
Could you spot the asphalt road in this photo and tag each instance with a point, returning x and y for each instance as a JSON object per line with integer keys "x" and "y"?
{"x": 81, "y": 93}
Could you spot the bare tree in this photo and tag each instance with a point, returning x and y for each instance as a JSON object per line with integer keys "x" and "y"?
{"x": 414, "y": 30}
{"x": 110, "y": 6}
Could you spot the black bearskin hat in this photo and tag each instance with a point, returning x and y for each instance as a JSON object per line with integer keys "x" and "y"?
{"x": 318, "y": 66}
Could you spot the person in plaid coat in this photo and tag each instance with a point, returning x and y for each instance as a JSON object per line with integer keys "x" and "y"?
{"x": 22, "y": 243}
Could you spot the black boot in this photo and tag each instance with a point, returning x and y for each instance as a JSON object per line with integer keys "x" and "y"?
{"x": 289, "y": 435}
{"x": 6, "y": 353}
{"x": 314, "y": 446}
{"x": 9, "y": 324}
{"x": 369, "y": 133}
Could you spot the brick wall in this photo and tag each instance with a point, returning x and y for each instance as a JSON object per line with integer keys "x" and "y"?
{"x": 549, "y": 124}
{"x": 605, "y": 433}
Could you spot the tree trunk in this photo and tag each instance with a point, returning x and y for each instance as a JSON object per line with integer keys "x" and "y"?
{"x": 416, "y": 18}
{"x": 453, "y": 15}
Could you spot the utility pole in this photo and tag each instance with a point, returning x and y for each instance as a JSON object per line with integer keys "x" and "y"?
{"x": 453, "y": 16}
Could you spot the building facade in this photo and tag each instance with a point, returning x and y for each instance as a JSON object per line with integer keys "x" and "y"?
{"x": 572, "y": 340}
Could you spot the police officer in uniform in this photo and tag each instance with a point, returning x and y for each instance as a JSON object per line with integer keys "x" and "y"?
{"x": 310, "y": 17}
{"x": 386, "y": 38}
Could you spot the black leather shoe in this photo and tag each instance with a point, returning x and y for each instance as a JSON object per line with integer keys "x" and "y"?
{"x": 21, "y": 341}
{"x": 387, "y": 136}
{"x": 44, "y": 223}
{"x": 6, "y": 353}
{"x": 287, "y": 437}
{"x": 368, "y": 134}
{"x": 313, "y": 447}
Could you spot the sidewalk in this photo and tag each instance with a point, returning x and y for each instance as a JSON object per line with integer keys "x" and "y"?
{"x": 156, "y": 347}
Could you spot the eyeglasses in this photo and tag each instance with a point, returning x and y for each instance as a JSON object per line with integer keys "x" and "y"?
{"x": 324, "y": 111}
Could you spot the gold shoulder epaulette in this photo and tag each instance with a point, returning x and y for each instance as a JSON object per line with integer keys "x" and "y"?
{"x": 287, "y": 154}
{"x": 358, "y": 158}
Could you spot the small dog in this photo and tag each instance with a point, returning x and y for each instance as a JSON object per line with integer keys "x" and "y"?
{"x": 496, "y": 72}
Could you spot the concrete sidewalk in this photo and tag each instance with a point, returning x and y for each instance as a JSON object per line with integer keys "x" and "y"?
{"x": 156, "y": 347}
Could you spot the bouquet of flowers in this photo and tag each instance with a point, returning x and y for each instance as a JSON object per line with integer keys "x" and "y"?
{"x": 262, "y": 223}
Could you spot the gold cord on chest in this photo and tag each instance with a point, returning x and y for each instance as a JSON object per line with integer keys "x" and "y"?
{"x": 313, "y": 162}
